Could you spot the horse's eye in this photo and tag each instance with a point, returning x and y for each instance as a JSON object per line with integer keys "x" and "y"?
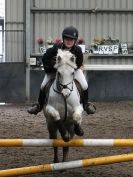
{"x": 59, "y": 59}
{"x": 59, "y": 74}
{"x": 72, "y": 59}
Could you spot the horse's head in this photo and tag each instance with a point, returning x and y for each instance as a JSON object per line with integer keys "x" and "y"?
{"x": 65, "y": 58}
{"x": 65, "y": 65}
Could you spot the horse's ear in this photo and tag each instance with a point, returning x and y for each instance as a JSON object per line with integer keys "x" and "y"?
{"x": 58, "y": 61}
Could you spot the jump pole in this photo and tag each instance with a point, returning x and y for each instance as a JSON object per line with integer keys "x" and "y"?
{"x": 67, "y": 165}
{"x": 61, "y": 143}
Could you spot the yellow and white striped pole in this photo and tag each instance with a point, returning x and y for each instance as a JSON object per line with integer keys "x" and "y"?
{"x": 67, "y": 165}
{"x": 61, "y": 143}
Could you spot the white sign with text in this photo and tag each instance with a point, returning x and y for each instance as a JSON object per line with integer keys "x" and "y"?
{"x": 108, "y": 49}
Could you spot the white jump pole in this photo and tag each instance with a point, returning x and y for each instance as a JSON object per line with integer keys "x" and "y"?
{"x": 67, "y": 165}
{"x": 61, "y": 143}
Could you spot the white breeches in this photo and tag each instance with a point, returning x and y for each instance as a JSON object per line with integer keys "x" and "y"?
{"x": 47, "y": 77}
{"x": 79, "y": 76}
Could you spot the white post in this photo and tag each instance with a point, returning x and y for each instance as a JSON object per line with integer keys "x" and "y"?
{"x": 27, "y": 27}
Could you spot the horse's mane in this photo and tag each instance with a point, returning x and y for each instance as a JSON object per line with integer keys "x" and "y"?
{"x": 65, "y": 57}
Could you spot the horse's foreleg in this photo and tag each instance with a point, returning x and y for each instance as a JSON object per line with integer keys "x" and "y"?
{"x": 52, "y": 112}
{"x": 77, "y": 117}
{"x": 60, "y": 125}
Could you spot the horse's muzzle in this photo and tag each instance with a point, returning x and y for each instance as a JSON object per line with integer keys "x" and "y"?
{"x": 66, "y": 92}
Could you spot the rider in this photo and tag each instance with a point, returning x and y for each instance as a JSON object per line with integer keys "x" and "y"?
{"x": 69, "y": 36}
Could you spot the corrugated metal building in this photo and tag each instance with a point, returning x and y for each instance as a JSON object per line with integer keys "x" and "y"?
{"x": 30, "y": 19}
{"x": 14, "y": 31}
{"x": 93, "y": 18}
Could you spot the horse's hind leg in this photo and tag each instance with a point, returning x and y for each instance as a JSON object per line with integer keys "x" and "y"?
{"x": 53, "y": 135}
{"x": 70, "y": 127}
{"x": 65, "y": 154}
{"x": 56, "y": 159}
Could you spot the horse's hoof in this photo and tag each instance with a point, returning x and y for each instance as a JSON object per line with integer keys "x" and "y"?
{"x": 56, "y": 161}
{"x": 62, "y": 171}
{"x": 66, "y": 137}
{"x": 63, "y": 131}
{"x": 78, "y": 130}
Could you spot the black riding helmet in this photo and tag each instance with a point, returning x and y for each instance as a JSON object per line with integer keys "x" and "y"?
{"x": 70, "y": 32}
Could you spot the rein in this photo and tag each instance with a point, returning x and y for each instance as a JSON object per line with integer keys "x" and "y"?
{"x": 58, "y": 90}
{"x": 65, "y": 102}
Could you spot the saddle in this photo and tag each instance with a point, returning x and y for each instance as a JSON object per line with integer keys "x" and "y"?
{"x": 46, "y": 90}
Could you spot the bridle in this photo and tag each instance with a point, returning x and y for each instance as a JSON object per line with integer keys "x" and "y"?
{"x": 60, "y": 86}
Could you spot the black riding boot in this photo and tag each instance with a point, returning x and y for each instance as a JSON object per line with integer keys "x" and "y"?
{"x": 37, "y": 107}
{"x": 88, "y": 106}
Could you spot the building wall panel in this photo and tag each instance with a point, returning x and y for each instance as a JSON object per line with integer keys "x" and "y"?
{"x": 109, "y": 60}
{"x": 14, "y": 10}
{"x": 83, "y": 4}
{"x": 116, "y": 25}
{"x": 50, "y": 24}
{"x": 14, "y": 31}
